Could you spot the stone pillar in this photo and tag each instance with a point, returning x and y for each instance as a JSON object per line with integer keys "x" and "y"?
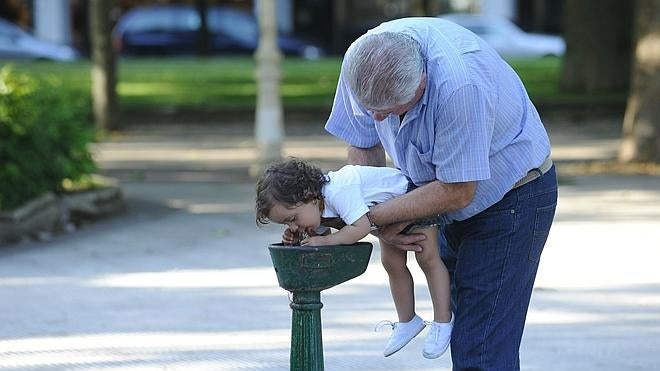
{"x": 52, "y": 20}
{"x": 269, "y": 127}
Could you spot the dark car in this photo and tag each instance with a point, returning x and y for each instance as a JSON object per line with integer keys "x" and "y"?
{"x": 15, "y": 43}
{"x": 173, "y": 29}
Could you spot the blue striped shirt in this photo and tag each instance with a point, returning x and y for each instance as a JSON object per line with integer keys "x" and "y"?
{"x": 474, "y": 121}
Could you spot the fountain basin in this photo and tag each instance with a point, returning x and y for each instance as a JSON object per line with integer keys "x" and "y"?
{"x": 316, "y": 268}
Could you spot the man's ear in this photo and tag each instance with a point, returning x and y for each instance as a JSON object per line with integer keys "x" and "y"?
{"x": 422, "y": 82}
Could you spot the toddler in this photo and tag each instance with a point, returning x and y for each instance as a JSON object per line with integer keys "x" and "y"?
{"x": 300, "y": 196}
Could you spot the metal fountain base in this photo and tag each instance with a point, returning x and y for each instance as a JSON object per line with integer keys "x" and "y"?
{"x": 306, "y": 271}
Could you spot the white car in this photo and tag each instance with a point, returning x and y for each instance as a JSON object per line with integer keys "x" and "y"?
{"x": 507, "y": 39}
{"x": 18, "y": 44}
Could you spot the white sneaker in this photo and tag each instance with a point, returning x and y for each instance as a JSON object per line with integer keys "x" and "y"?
{"x": 437, "y": 340}
{"x": 402, "y": 333}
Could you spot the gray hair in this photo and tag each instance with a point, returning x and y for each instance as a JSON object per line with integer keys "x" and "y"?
{"x": 383, "y": 70}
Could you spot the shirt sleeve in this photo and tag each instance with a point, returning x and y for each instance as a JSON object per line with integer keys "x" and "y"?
{"x": 463, "y": 135}
{"x": 349, "y": 203}
{"x": 349, "y": 121}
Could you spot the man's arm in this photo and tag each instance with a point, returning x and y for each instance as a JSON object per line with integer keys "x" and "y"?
{"x": 374, "y": 156}
{"x": 429, "y": 200}
{"x": 426, "y": 201}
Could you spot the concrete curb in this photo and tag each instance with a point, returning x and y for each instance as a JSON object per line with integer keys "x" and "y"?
{"x": 40, "y": 215}
{"x": 49, "y": 213}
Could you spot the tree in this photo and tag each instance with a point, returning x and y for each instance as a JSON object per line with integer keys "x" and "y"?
{"x": 104, "y": 74}
{"x": 641, "y": 124}
{"x": 598, "y": 40}
{"x": 203, "y": 31}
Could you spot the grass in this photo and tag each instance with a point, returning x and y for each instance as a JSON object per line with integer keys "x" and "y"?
{"x": 541, "y": 78}
{"x": 229, "y": 82}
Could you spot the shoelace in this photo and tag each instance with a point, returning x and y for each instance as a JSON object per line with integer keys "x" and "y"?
{"x": 384, "y": 323}
{"x": 434, "y": 330}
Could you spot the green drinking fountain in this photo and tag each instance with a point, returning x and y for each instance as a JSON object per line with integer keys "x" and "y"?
{"x": 305, "y": 271}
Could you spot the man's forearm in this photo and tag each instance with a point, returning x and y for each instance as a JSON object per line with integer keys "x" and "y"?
{"x": 374, "y": 156}
{"x": 429, "y": 200}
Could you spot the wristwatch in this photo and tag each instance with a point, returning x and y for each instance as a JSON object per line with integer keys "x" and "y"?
{"x": 373, "y": 225}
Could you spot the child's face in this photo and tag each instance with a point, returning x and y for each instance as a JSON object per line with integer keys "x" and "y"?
{"x": 301, "y": 217}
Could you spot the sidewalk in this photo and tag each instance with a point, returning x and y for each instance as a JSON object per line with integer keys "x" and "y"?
{"x": 183, "y": 281}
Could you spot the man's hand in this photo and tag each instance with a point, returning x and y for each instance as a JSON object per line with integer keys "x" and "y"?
{"x": 392, "y": 234}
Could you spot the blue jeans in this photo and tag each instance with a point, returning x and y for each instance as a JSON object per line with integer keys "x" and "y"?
{"x": 492, "y": 260}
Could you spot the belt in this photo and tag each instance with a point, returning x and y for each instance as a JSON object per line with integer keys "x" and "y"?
{"x": 535, "y": 173}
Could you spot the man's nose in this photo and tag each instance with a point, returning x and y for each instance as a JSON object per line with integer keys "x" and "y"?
{"x": 379, "y": 116}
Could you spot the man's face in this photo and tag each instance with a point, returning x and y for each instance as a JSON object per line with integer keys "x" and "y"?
{"x": 381, "y": 114}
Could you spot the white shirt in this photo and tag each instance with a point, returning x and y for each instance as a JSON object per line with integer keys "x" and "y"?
{"x": 352, "y": 189}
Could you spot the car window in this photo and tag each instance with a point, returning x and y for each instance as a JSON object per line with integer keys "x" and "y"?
{"x": 154, "y": 20}
{"x": 486, "y": 30}
{"x": 233, "y": 23}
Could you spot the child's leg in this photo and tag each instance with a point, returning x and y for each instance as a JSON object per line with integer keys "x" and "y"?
{"x": 436, "y": 274}
{"x": 401, "y": 281}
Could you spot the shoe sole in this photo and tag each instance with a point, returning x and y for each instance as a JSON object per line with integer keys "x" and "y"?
{"x": 406, "y": 343}
{"x": 434, "y": 356}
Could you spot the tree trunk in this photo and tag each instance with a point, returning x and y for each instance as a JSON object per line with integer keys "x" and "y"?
{"x": 203, "y": 32}
{"x": 104, "y": 74}
{"x": 641, "y": 124}
{"x": 598, "y": 38}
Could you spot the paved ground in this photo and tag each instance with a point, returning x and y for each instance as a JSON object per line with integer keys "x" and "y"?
{"x": 183, "y": 281}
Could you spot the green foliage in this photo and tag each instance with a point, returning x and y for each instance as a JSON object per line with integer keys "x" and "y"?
{"x": 228, "y": 82}
{"x": 44, "y": 135}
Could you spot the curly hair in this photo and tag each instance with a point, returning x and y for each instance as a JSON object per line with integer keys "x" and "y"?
{"x": 287, "y": 182}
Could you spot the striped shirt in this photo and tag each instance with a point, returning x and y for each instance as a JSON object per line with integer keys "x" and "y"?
{"x": 474, "y": 121}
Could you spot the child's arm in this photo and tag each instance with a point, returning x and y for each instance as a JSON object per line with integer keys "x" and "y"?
{"x": 349, "y": 234}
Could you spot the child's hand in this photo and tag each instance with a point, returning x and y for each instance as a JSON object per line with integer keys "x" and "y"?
{"x": 290, "y": 237}
{"x": 314, "y": 241}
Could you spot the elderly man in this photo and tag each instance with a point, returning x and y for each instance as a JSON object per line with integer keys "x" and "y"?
{"x": 456, "y": 119}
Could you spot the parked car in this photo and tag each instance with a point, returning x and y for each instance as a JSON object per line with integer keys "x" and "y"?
{"x": 173, "y": 29}
{"x": 507, "y": 38}
{"x": 15, "y": 43}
